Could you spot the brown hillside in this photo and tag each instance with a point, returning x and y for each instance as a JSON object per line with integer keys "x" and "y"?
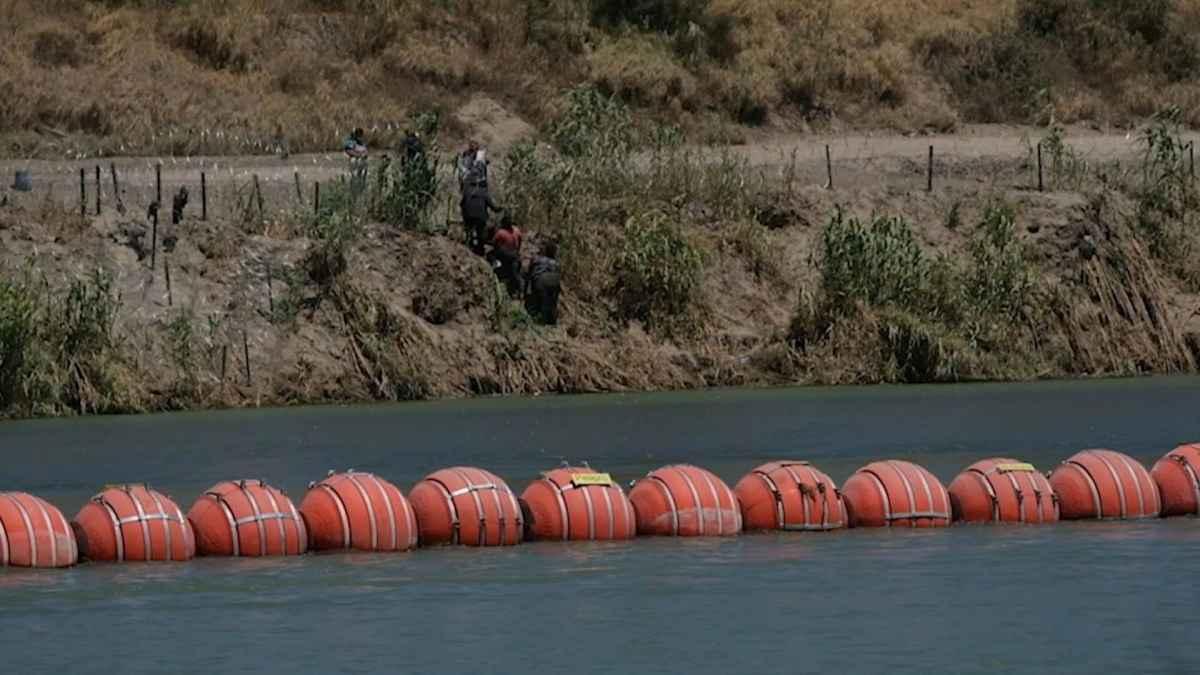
{"x": 236, "y": 76}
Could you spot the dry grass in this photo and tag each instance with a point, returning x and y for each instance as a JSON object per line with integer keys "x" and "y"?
{"x": 233, "y": 76}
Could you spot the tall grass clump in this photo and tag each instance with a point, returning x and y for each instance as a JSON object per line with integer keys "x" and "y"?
{"x": 929, "y": 319}
{"x": 658, "y": 272}
{"x": 1167, "y": 198}
{"x": 60, "y": 352}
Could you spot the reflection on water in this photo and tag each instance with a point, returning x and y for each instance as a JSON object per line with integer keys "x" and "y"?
{"x": 1076, "y": 597}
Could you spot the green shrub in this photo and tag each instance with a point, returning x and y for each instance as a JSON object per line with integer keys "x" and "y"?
{"x": 17, "y": 332}
{"x": 593, "y": 125}
{"x": 658, "y": 271}
{"x": 1167, "y": 199}
{"x": 879, "y": 263}
{"x": 999, "y": 278}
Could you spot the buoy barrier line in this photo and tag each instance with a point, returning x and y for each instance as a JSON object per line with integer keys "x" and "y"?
{"x": 461, "y": 482}
{"x": 891, "y": 492}
{"x": 1177, "y": 479}
{"x": 341, "y": 510}
{"x": 575, "y": 490}
{"x": 1097, "y": 502}
{"x": 912, "y": 513}
{"x": 3, "y": 545}
{"x": 33, "y": 547}
{"x": 356, "y": 496}
{"x": 1093, "y": 469}
{"x": 671, "y": 502}
{"x": 984, "y": 471}
{"x": 143, "y": 519}
{"x": 783, "y": 496}
{"x": 455, "y": 521}
{"x": 679, "y": 503}
{"x": 1191, "y": 472}
{"x": 13, "y": 553}
{"x": 261, "y": 517}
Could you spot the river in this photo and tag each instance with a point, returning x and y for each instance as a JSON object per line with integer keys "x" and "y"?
{"x": 1077, "y": 597}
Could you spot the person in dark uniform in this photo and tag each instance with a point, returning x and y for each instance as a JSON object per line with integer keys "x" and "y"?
{"x": 414, "y": 149}
{"x": 476, "y": 204}
{"x": 543, "y": 284}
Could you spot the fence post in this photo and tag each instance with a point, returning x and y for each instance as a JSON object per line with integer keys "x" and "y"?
{"x": 98, "y": 189}
{"x": 153, "y": 238}
{"x": 258, "y": 197}
{"x": 929, "y": 180}
{"x": 828, "y": 169}
{"x": 224, "y": 361}
{"x": 158, "y": 183}
{"x": 299, "y": 193}
{"x": 316, "y": 197}
{"x": 82, "y": 193}
{"x": 1041, "y": 183}
{"x": 112, "y": 168}
{"x": 167, "y": 272}
{"x": 203, "y": 196}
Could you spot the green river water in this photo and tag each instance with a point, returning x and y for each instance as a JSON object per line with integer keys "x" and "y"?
{"x": 1076, "y": 597}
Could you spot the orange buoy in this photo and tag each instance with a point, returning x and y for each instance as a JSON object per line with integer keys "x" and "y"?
{"x": 578, "y": 504}
{"x": 33, "y": 533}
{"x": 1177, "y": 475}
{"x": 790, "y": 496}
{"x": 1104, "y": 484}
{"x": 247, "y": 518}
{"x": 1002, "y": 491}
{"x": 133, "y": 522}
{"x": 465, "y": 505}
{"x": 893, "y": 493}
{"x": 359, "y": 511}
{"x": 685, "y": 501}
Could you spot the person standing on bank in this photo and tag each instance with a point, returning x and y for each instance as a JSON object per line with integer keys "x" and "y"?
{"x": 543, "y": 282}
{"x": 476, "y": 204}
{"x": 355, "y": 148}
{"x": 506, "y": 248}
{"x": 468, "y": 175}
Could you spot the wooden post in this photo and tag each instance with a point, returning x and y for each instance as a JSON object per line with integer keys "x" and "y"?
{"x": 203, "y": 196}
{"x": 317, "y": 197}
{"x": 97, "y": 189}
{"x": 153, "y": 238}
{"x": 82, "y": 193}
{"x": 828, "y": 169}
{"x": 246, "y": 353}
{"x": 112, "y": 168}
{"x": 929, "y": 178}
{"x": 258, "y": 196}
{"x": 299, "y": 193}
{"x": 158, "y": 183}
{"x": 1041, "y": 182}
{"x": 167, "y": 272}
{"x": 224, "y": 361}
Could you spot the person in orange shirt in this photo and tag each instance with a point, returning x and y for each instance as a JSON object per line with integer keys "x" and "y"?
{"x": 506, "y": 250}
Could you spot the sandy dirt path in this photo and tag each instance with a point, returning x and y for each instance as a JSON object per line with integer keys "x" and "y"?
{"x": 973, "y": 153}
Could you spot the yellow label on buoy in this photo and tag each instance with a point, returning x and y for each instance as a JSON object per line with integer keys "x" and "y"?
{"x": 591, "y": 479}
{"x": 1016, "y": 466}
